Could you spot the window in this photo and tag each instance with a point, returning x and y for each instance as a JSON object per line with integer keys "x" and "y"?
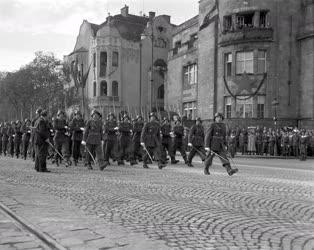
{"x": 103, "y": 63}
{"x": 190, "y": 74}
{"x": 228, "y": 64}
{"x": 263, "y": 19}
{"x": 115, "y": 88}
{"x": 95, "y": 90}
{"x": 227, "y": 23}
{"x": 94, "y": 60}
{"x": 192, "y": 41}
{"x": 161, "y": 92}
{"x": 245, "y": 20}
{"x": 228, "y": 103}
{"x": 261, "y": 62}
{"x": 189, "y": 109}
{"x": 115, "y": 59}
{"x": 244, "y": 108}
{"x": 244, "y": 62}
{"x": 103, "y": 88}
{"x": 260, "y": 106}
{"x": 177, "y": 44}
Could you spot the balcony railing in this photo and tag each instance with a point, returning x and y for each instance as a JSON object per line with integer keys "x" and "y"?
{"x": 246, "y": 34}
{"x": 184, "y": 48}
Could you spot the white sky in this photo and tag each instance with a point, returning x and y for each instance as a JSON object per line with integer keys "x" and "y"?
{"x": 27, "y": 26}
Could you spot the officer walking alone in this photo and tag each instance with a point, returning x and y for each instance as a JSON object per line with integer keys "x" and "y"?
{"x": 216, "y": 143}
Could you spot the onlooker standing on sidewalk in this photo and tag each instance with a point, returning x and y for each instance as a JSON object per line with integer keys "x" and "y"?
{"x": 251, "y": 148}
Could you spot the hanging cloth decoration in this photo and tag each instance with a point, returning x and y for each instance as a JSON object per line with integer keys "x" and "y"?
{"x": 250, "y": 95}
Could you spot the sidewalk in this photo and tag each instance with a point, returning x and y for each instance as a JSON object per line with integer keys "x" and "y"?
{"x": 65, "y": 223}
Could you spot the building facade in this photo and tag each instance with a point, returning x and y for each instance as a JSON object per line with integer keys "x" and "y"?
{"x": 126, "y": 57}
{"x": 253, "y": 61}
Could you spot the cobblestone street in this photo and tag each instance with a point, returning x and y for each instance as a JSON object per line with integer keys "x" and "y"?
{"x": 269, "y": 204}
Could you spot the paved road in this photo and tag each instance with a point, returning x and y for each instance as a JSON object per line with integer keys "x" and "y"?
{"x": 268, "y": 205}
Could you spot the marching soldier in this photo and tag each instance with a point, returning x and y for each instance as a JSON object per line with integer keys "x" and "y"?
{"x": 93, "y": 140}
{"x": 166, "y": 141}
{"x": 77, "y": 128}
{"x": 110, "y": 139}
{"x": 215, "y": 142}
{"x": 151, "y": 142}
{"x": 61, "y": 139}
{"x": 41, "y": 138}
{"x": 17, "y": 138}
{"x": 1, "y": 126}
{"x": 26, "y": 129}
{"x": 5, "y": 137}
{"x": 178, "y": 131}
{"x": 196, "y": 141}
{"x": 136, "y": 138}
{"x": 124, "y": 140}
{"x": 11, "y": 133}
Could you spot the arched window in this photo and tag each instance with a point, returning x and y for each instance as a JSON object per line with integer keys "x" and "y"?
{"x": 161, "y": 92}
{"x": 115, "y": 88}
{"x": 103, "y": 63}
{"x": 103, "y": 88}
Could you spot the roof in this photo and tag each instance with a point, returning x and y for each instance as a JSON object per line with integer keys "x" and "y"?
{"x": 130, "y": 27}
{"x": 81, "y": 49}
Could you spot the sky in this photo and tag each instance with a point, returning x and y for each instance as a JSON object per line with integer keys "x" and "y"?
{"x": 27, "y": 26}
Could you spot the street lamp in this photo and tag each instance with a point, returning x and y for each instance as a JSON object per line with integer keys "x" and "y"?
{"x": 151, "y": 36}
{"x": 275, "y": 104}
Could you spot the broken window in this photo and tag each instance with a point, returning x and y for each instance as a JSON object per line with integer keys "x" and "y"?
{"x": 192, "y": 41}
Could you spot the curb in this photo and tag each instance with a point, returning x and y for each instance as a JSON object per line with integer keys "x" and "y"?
{"x": 47, "y": 239}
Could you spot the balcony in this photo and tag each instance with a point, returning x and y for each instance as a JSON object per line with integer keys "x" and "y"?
{"x": 185, "y": 48}
{"x": 101, "y": 101}
{"x": 247, "y": 34}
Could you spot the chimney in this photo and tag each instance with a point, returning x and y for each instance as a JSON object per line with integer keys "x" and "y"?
{"x": 125, "y": 11}
{"x": 151, "y": 15}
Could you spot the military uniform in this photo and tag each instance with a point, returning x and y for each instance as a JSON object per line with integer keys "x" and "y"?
{"x": 41, "y": 134}
{"x": 178, "y": 131}
{"x": 303, "y": 146}
{"x": 26, "y": 129}
{"x": 166, "y": 141}
{"x": 150, "y": 139}
{"x": 5, "y": 138}
{"x": 93, "y": 137}
{"x": 110, "y": 140}
{"x": 215, "y": 140}
{"x": 136, "y": 139}
{"x": 196, "y": 139}
{"x": 271, "y": 144}
{"x": 17, "y": 138}
{"x": 11, "y": 133}
{"x": 259, "y": 143}
{"x": 60, "y": 139}
{"x": 1, "y": 126}
{"x": 125, "y": 143}
{"x": 76, "y": 126}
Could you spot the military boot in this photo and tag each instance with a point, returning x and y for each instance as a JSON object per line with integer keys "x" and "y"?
{"x": 206, "y": 171}
{"x": 145, "y": 165}
{"x": 120, "y": 162}
{"x": 230, "y": 171}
